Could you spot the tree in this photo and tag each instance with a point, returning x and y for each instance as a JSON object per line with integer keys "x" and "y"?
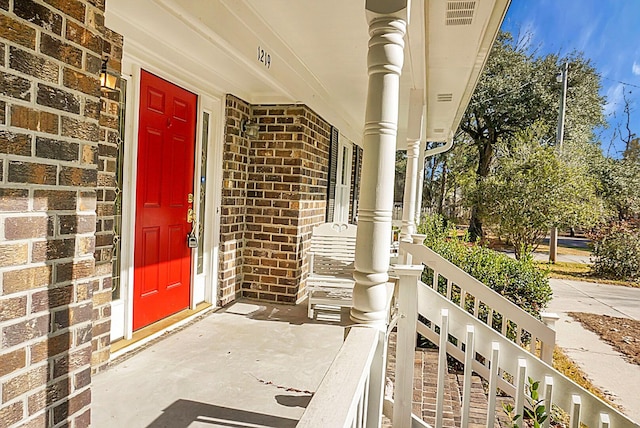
{"x": 532, "y": 188}
{"x": 517, "y": 90}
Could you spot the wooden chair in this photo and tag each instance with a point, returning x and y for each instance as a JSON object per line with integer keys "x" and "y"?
{"x": 332, "y": 253}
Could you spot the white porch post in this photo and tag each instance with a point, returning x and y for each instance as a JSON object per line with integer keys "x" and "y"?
{"x": 421, "y": 162}
{"x": 416, "y": 108}
{"x": 387, "y": 27}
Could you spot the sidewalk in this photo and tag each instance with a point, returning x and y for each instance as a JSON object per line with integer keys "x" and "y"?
{"x": 605, "y": 367}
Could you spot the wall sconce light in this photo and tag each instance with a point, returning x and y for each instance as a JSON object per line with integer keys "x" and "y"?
{"x": 108, "y": 79}
{"x": 249, "y": 129}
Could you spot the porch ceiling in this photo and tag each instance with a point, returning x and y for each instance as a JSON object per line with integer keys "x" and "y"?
{"x": 318, "y": 52}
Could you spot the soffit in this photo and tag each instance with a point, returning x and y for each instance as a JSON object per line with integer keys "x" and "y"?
{"x": 318, "y": 52}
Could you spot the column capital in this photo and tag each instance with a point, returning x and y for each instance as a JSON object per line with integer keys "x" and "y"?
{"x": 387, "y": 8}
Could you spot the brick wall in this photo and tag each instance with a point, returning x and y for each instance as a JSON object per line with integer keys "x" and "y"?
{"x": 286, "y": 197}
{"x": 232, "y": 218}
{"x": 274, "y": 192}
{"x": 50, "y": 190}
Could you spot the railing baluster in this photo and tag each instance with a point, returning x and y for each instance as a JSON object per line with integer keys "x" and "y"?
{"x": 519, "y": 335}
{"x": 548, "y": 399}
{"x": 463, "y": 297}
{"x": 574, "y": 414}
{"x": 442, "y": 365}
{"x": 604, "y": 421}
{"x": 493, "y": 384}
{"x": 533, "y": 345}
{"x": 434, "y": 281}
{"x": 469, "y": 355}
{"x": 449, "y": 287}
{"x": 503, "y": 330}
{"x": 406, "y": 342}
{"x": 476, "y": 307}
{"x": 490, "y": 318}
{"x": 521, "y": 388}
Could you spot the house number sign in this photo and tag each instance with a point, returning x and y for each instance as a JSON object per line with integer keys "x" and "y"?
{"x": 264, "y": 57}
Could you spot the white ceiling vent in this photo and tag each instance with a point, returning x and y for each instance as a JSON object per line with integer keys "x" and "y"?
{"x": 460, "y": 12}
{"x": 438, "y": 130}
{"x": 444, "y": 98}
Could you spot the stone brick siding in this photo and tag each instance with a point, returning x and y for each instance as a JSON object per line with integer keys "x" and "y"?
{"x": 274, "y": 192}
{"x": 106, "y": 156}
{"x": 232, "y": 211}
{"x": 52, "y": 293}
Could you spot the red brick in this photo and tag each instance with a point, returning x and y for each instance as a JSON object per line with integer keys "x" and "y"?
{"x": 52, "y": 298}
{"x": 12, "y": 361}
{"x": 82, "y": 36}
{"x": 58, "y": 99}
{"x": 34, "y": 120}
{"x": 50, "y": 347}
{"x": 53, "y": 200}
{"x": 26, "y": 227}
{"x": 16, "y": 31}
{"x": 75, "y": 270}
{"x": 11, "y": 414}
{"x": 14, "y": 200}
{"x": 25, "y": 279}
{"x": 12, "y": 307}
{"x": 32, "y": 173}
{"x": 20, "y": 384}
{"x": 33, "y": 65}
{"x": 88, "y": 84}
{"x": 56, "y": 48}
{"x": 39, "y": 15}
{"x": 13, "y": 254}
{"x": 72, "y": 8}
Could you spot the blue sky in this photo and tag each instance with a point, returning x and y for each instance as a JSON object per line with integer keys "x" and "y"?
{"x": 606, "y": 31}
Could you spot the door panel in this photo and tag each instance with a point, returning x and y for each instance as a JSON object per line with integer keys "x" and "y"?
{"x": 166, "y": 142}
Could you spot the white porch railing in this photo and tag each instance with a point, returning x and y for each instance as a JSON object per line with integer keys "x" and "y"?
{"x": 351, "y": 393}
{"x": 482, "y": 302}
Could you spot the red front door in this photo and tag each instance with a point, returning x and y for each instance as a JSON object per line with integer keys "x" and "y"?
{"x": 166, "y": 141}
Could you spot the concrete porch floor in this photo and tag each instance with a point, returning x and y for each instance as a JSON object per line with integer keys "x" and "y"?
{"x": 251, "y": 364}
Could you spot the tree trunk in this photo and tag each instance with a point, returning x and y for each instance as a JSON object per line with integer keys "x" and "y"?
{"x": 485, "y": 155}
{"x": 443, "y": 186}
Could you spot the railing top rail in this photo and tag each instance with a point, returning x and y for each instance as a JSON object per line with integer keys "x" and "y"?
{"x": 433, "y": 260}
{"x": 335, "y": 402}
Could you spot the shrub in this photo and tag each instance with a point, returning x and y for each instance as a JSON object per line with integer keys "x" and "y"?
{"x": 616, "y": 250}
{"x": 520, "y": 281}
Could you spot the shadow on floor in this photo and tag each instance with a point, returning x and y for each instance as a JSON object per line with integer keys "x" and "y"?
{"x": 292, "y": 314}
{"x": 186, "y": 413}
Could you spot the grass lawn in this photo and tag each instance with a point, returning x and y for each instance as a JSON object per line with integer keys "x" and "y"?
{"x": 580, "y": 272}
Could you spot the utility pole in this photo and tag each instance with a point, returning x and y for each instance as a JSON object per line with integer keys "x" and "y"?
{"x": 553, "y": 239}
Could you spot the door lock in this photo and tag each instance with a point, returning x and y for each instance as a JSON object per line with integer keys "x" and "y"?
{"x": 191, "y": 215}
{"x": 190, "y": 198}
{"x": 192, "y": 240}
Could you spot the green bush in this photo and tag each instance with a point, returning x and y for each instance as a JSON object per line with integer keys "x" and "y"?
{"x": 520, "y": 281}
{"x": 616, "y": 250}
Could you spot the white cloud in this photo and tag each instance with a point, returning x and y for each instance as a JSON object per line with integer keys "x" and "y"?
{"x": 636, "y": 68}
{"x": 614, "y": 98}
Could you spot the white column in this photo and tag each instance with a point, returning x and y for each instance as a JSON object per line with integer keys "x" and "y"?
{"x": 421, "y": 162}
{"x": 414, "y": 128}
{"x": 387, "y": 27}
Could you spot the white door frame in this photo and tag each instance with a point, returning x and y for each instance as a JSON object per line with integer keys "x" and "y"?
{"x": 203, "y": 287}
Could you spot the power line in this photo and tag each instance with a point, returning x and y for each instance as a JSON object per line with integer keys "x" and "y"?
{"x": 619, "y": 81}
